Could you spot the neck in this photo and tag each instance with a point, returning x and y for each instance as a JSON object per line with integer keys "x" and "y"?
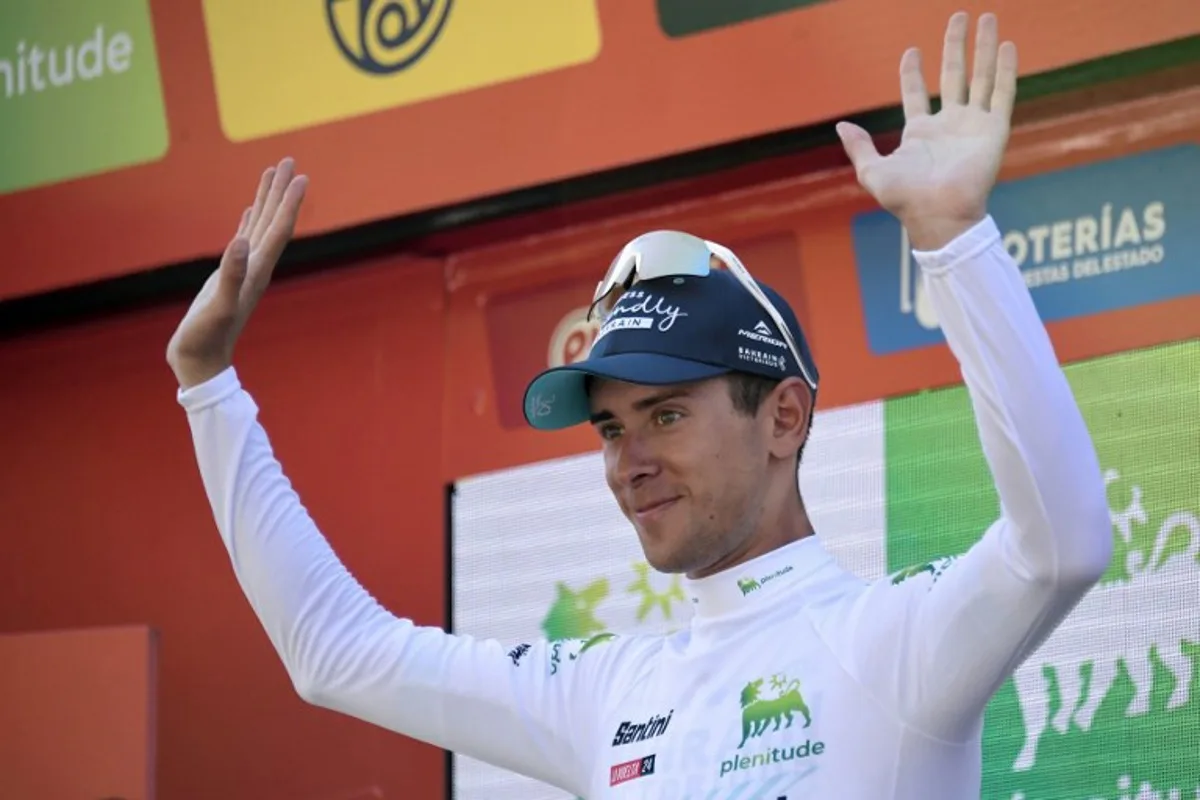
{"x": 756, "y": 583}
{"x": 780, "y": 524}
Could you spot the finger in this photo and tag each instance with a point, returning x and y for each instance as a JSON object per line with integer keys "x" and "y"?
{"x": 232, "y": 274}
{"x": 1004, "y": 96}
{"x": 283, "y": 177}
{"x": 954, "y": 61}
{"x": 260, "y": 198}
{"x": 244, "y": 224}
{"x": 914, "y": 96}
{"x": 859, "y": 148}
{"x": 277, "y": 235}
{"x": 983, "y": 77}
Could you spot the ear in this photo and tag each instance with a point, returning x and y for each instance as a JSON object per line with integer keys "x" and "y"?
{"x": 790, "y": 404}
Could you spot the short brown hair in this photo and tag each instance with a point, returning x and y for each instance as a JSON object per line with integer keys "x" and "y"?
{"x": 748, "y": 393}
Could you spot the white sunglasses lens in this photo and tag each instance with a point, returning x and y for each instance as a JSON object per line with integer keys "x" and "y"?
{"x": 652, "y": 255}
{"x": 664, "y": 253}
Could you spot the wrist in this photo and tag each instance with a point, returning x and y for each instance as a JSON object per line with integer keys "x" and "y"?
{"x": 192, "y": 375}
{"x": 930, "y": 234}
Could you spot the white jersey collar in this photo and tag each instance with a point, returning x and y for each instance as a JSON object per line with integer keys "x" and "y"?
{"x": 758, "y": 580}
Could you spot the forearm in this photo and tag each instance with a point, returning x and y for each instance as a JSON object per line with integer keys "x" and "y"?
{"x": 294, "y": 582}
{"x": 342, "y": 650}
{"x": 1033, "y": 435}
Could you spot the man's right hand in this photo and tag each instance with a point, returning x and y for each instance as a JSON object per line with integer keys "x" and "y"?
{"x": 202, "y": 346}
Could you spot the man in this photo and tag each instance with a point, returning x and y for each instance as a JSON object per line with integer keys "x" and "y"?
{"x": 794, "y": 679}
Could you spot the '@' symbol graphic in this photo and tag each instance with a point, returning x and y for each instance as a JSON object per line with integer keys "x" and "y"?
{"x": 386, "y": 36}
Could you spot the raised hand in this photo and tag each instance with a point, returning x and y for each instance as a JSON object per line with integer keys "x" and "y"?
{"x": 938, "y": 180}
{"x": 202, "y": 345}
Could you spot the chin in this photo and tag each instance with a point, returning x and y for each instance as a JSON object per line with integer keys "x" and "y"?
{"x": 665, "y": 559}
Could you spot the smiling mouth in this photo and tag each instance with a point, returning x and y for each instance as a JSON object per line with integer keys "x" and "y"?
{"x": 653, "y": 510}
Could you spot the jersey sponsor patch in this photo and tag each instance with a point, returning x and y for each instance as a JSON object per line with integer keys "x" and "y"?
{"x": 750, "y": 584}
{"x": 935, "y": 568}
{"x": 629, "y": 770}
{"x": 770, "y": 706}
{"x": 628, "y": 732}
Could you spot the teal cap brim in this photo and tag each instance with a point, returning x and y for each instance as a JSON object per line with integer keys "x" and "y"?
{"x": 557, "y": 398}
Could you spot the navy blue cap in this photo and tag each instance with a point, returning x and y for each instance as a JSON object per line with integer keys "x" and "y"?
{"x": 671, "y": 330}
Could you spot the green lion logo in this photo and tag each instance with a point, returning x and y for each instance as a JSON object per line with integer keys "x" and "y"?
{"x": 758, "y": 712}
{"x": 748, "y": 585}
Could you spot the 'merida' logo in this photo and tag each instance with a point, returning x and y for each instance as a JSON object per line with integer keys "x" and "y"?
{"x": 385, "y": 36}
{"x": 767, "y": 712}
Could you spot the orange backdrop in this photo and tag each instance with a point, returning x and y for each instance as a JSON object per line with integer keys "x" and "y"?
{"x": 642, "y": 96}
{"x": 79, "y": 710}
{"x": 378, "y": 386}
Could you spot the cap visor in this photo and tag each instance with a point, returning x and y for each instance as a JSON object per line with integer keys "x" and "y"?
{"x": 557, "y": 399}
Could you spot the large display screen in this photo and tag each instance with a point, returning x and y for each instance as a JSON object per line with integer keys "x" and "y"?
{"x": 1108, "y": 707}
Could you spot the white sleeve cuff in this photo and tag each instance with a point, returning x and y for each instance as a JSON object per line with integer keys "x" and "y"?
{"x": 203, "y": 395}
{"x": 969, "y": 244}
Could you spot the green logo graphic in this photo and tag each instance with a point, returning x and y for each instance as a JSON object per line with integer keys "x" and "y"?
{"x": 686, "y": 17}
{"x": 592, "y": 641}
{"x": 935, "y": 568}
{"x": 758, "y": 712}
{"x": 767, "y": 711}
{"x": 573, "y": 614}
{"x": 652, "y": 598}
{"x": 79, "y": 91}
{"x": 748, "y": 585}
{"x": 571, "y": 620}
{"x": 1109, "y": 706}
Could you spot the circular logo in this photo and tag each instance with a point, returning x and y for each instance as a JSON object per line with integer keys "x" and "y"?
{"x": 385, "y": 36}
{"x": 572, "y": 338}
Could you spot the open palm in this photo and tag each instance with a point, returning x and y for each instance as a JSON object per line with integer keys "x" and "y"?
{"x": 203, "y": 343}
{"x": 938, "y": 180}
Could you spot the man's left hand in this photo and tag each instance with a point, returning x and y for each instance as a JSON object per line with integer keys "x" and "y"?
{"x": 938, "y": 180}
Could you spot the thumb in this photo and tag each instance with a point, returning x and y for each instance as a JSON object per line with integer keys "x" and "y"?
{"x": 232, "y": 271}
{"x": 859, "y": 147}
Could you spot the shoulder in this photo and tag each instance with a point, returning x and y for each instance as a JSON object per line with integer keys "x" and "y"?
{"x": 613, "y": 654}
{"x": 851, "y": 613}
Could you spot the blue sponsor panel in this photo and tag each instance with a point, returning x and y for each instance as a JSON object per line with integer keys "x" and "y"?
{"x": 1091, "y": 239}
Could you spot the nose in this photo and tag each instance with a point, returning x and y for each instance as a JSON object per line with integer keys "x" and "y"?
{"x": 636, "y": 461}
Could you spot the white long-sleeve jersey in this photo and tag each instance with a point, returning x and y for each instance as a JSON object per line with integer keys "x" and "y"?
{"x": 794, "y": 679}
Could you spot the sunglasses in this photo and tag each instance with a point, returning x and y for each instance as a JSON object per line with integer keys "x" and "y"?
{"x": 661, "y": 254}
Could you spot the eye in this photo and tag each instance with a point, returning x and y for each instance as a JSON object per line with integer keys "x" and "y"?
{"x": 609, "y": 431}
{"x": 667, "y": 417}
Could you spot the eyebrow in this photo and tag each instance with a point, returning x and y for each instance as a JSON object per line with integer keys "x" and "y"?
{"x": 644, "y": 403}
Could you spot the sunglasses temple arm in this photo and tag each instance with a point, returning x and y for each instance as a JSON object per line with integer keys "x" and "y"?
{"x": 746, "y": 279}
